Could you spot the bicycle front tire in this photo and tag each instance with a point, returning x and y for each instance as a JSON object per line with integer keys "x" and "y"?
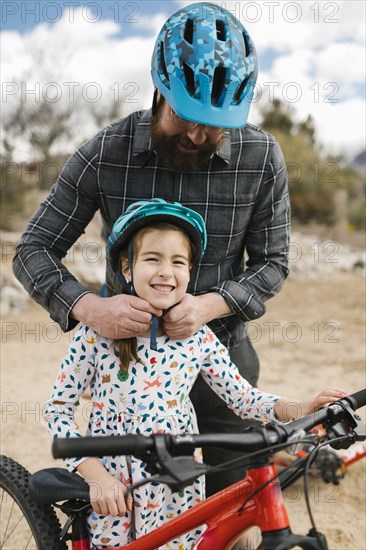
{"x": 24, "y": 523}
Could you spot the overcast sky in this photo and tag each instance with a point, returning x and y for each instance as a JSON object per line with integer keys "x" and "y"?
{"x": 311, "y": 55}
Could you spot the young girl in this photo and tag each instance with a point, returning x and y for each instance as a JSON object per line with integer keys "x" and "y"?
{"x": 142, "y": 385}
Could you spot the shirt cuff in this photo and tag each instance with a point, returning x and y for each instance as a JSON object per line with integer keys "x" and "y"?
{"x": 243, "y": 302}
{"x": 62, "y": 302}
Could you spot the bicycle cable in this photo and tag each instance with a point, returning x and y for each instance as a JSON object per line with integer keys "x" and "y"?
{"x": 228, "y": 465}
{"x": 310, "y": 459}
{"x": 258, "y": 489}
{"x": 242, "y": 460}
{"x": 299, "y": 467}
{"x": 295, "y": 467}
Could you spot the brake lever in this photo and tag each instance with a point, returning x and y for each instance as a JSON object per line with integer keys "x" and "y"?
{"x": 180, "y": 471}
{"x": 345, "y": 423}
{"x": 175, "y": 471}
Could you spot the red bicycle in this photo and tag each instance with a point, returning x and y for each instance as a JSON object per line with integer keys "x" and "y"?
{"x": 256, "y": 500}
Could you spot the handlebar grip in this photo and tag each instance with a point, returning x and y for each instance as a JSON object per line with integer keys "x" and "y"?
{"x": 76, "y": 447}
{"x": 357, "y": 400}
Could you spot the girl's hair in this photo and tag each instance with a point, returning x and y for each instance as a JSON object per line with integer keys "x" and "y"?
{"x": 127, "y": 347}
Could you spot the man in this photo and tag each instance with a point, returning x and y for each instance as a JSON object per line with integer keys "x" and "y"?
{"x": 194, "y": 147}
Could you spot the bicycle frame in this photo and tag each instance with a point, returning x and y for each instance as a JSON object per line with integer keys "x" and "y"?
{"x": 220, "y": 514}
{"x": 223, "y": 515}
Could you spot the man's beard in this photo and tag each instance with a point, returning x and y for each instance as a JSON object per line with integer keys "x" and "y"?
{"x": 171, "y": 156}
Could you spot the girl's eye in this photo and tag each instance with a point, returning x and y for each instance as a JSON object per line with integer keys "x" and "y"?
{"x": 179, "y": 262}
{"x": 151, "y": 259}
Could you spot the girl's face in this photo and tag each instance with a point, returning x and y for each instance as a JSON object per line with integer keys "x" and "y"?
{"x": 161, "y": 267}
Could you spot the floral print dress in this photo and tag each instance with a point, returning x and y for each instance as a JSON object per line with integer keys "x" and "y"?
{"x": 152, "y": 397}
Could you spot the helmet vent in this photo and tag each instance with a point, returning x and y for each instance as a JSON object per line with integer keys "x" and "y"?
{"x": 218, "y": 84}
{"x": 239, "y": 91}
{"x": 188, "y": 31}
{"x": 220, "y": 30}
{"x": 189, "y": 76}
{"x": 162, "y": 60}
{"x": 247, "y": 45}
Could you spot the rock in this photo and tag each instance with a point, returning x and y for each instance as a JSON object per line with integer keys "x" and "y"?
{"x": 12, "y": 300}
{"x": 311, "y": 258}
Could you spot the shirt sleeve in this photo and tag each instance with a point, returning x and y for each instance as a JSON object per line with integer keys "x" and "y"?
{"x": 224, "y": 379}
{"x": 52, "y": 231}
{"x": 267, "y": 242}
{"x": 74, "y": 376}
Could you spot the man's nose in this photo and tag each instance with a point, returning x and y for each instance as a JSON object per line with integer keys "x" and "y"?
{"x": 197, "y": 134}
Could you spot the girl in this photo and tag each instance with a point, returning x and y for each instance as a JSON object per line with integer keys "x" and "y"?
{"x": 142, "y": 385}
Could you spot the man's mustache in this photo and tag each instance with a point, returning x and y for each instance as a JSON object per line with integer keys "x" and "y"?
{"x": 188, "y": 144}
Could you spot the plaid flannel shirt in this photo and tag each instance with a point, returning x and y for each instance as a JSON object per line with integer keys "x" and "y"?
{"x": 242, "y": 195}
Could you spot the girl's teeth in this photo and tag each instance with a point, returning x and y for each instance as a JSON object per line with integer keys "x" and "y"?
{"x": 163, "y": 288}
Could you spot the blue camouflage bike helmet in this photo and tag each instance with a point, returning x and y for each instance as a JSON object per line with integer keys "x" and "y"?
{"x": 143, "y": 213}
{"x": 205, "y": 65}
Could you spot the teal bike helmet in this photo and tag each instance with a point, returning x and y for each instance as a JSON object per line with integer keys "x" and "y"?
{"x": 205, "y": 65}
{"x": 147, "y": 212}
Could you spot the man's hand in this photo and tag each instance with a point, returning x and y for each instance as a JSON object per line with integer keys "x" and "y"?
{"x": 186, "y": 318}
{"x": 121, "y": 316}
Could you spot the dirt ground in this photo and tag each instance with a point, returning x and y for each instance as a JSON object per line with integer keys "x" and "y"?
{"x": 311, "y": 337}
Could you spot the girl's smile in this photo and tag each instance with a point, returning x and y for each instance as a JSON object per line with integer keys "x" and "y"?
{"x": 163, "y": 288}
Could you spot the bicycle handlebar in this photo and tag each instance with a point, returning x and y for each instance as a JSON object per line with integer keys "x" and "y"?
{"x": 357, "y": 399}
{"x": 138, "y": 445}
{"x": 133, "y": 444}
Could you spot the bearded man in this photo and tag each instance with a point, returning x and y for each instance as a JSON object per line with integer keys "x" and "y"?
{"x": 196, "y": 147}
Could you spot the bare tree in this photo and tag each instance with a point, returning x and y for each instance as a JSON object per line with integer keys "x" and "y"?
{"x": 37, "y": 120}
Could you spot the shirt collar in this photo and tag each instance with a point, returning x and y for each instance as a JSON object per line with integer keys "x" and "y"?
{"x": 142, "y": 139}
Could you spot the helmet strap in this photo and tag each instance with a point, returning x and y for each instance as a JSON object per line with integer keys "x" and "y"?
{"x": 157, "y": 102}
{"x": 155, "y": 98}
{"x": 130, "y": 289}
{"x": 153, "y": 333}
{"x": 127, "y": 286}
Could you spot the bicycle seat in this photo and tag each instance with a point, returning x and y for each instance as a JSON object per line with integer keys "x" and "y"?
{"x": 55, "y": 484}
